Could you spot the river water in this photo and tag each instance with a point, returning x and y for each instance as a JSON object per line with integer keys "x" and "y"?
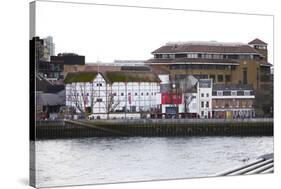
{"x": 123, "y": 159}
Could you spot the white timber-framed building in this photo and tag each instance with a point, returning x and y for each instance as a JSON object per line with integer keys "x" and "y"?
{"x": 112, "y": 92}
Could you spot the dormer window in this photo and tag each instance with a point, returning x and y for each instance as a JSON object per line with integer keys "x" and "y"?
{"x": 260, "y": 47}
{"x": 168, "y": 56}
{"x": 158, "y": 56}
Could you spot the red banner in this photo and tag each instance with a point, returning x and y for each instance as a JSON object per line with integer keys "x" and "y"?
{"x": 171, "y": 98}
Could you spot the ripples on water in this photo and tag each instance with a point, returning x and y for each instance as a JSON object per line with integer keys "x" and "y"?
{"x": 104, "y": 160}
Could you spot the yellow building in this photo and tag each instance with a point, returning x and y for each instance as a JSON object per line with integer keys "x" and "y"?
{"x": 225, "y": 63}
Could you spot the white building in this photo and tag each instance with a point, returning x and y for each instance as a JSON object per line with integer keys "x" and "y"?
{"x": 204, "y": 98}
{"x": 112, "y": 92}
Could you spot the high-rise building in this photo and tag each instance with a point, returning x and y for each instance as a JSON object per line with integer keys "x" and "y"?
{"x": 49, "y": 47}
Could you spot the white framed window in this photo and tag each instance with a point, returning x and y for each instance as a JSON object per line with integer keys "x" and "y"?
{"x": 192, "y": 55}
{"x": 247, "y": 93}
{"x": 219, "y": 93}
{"x": 233, "y": 93}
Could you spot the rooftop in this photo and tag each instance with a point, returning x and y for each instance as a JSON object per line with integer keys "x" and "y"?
{"x": 209, "y": 47}
{"x": 212, "y": 47}
{"x": 130, "y": 76}
{"x": 210, "y": 43}
{"x": 257, "y": 42}
{"x": 74, "y": 77}
{"x": 112, "y": 76}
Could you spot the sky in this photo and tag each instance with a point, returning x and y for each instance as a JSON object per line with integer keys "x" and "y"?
{"x": 108, "y": 33}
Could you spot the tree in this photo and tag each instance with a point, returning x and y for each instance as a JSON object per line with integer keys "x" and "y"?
{"x": 111, "y": 104}
{"x": 81, "y": 99}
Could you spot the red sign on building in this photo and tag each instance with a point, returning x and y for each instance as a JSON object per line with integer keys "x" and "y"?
{"x": 171, "y": 98}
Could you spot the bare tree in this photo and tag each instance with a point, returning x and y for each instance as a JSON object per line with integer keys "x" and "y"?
{"x": 80, "y": 98}
{"x": 111, "y": 104}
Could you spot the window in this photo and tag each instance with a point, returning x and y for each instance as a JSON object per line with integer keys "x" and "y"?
{"x": 99, "y": 99}
{"x": 202, "y": 113}
{"x": 207, "y": 94}
{"x": 233, "y": 93}
{"x": 77, "y": 94}
{"x": 87, "y": 94}
{"x": 129, "y": 93}
{"x": 219, "y": 93}
{"x": 217, "y": 56}
{"x": 245, "y": 77}
{"x": 207, "y": 104}
{"x": 226, "y": 93}
{"x": 227, "y": 78}
{"x": 247, "y": 93}
{"x": 141, "y": 94}
{"x": 220, "y": 78}
{"x": 192, "y": 55}
{"x": 122, "y": 94}
{"x": 147, "y": 94}
{"x": 240, "y": 93}
{"x": 202, "y": 104}
{"x": 114, "y": 94}
{"x": 213, "y": 77}
{"x": 202, "y": 94}
{"x": 136, "y": 94}
{"x": 169, "y": 56}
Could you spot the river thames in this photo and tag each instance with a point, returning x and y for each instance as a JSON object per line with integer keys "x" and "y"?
{"x": 123, "y": 159}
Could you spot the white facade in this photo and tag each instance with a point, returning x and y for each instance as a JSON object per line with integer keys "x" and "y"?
{"x": 135, "y": 96}
{"x": 204, "y": 98}
{"x": 191, "y": 103}
{"x": 104, "y": 97}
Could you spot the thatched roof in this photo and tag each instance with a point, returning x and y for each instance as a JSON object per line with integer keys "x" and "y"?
{"x": 130, "y": 76}
{"x": 112, "y": 76}
{"x": 74, "y": 77}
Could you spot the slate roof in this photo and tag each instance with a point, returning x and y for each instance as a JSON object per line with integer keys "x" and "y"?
{"x": 257, "y": 42}
{"x": 205, "y": 48}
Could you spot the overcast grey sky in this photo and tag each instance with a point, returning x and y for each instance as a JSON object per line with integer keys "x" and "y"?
{"x": 107, "y": 33}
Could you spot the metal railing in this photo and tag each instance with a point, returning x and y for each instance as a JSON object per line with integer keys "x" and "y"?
{"x": 263, "y": 164}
